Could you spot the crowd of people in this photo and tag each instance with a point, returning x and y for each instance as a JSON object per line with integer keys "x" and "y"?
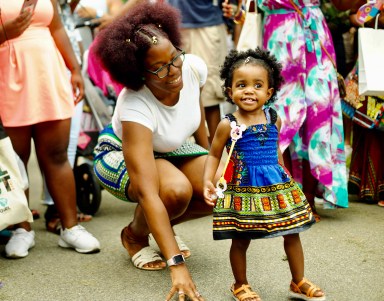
{"x": 171, "y": 67}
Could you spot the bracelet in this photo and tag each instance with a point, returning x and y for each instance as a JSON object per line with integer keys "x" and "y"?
{"x": 239, "y": 17}
{"x": 176, "y": 260}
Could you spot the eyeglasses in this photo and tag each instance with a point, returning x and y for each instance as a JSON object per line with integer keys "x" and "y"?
{"x": 177, "y": 62}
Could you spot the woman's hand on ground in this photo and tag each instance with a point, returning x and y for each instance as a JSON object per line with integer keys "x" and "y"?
{"x": 183, "y": 285}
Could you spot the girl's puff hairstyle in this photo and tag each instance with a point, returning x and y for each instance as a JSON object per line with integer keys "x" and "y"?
{"x": 257, "y": 56}
{"x": 122, "y": 46}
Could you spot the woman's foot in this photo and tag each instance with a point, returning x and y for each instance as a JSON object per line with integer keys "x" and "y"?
{"x": 306, "y": 290}
{"x": 143, "y": 256}
{"x": 184, "y": 249}
{"x": 244, "y": 292}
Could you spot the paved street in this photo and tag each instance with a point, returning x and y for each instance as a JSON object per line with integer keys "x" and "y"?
{"x": 344, "y": 255}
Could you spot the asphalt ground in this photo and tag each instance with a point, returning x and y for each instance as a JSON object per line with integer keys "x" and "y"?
{"x": 343, "y": 255}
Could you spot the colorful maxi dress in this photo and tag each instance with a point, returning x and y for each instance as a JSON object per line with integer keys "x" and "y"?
{"x": 308, "y": 102}
{"x": 261, "y": 199}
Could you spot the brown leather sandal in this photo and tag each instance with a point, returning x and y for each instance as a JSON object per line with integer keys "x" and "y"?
{"x": 145, "y": 256}
{"x": 295, "y": 291}
{"x": 244, "y": 292}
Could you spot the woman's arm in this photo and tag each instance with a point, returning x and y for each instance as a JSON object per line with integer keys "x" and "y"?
{"x": 64, "y": 45}
{"x": 144, "y": 184}
{"x": 200, "y": 135}
{"x": 144, "y": 188}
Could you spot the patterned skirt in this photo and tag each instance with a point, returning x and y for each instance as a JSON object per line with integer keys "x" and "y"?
{"x": 248, "y": 212}
{"x": 109, "y": 165}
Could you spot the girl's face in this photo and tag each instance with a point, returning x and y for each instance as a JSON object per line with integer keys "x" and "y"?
{"x": 250, "y": 90}
{"x": 163, "y": 63}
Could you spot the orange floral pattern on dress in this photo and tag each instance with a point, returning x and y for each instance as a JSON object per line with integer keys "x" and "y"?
{"x": 282, "y": 204}
{"x": 265, "y": 201}
{"x": 296, "y": 196}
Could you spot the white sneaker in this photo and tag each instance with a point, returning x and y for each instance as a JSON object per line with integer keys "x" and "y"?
{"x": 19, "y": 244}
{"x": 79, "y": 239}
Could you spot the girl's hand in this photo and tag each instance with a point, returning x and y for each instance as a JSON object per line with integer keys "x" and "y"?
{"x": 183, "y": 285}
{"x": 14, "y": 28}
{"x": 210, "y": 196}
{"x": 77, "y": 86}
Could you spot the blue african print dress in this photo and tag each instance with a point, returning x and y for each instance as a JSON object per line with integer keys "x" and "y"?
{"x": 261, "y": 199}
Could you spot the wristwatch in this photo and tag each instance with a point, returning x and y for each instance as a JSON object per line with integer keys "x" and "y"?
{"x": 176, "y": 260}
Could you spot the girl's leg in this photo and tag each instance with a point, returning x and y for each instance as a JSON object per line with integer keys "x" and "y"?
{"x": 295, "y": 255}
{"x": 238, "y": 258}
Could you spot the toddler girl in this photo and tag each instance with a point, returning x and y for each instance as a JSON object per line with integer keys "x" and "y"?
{"x": 256, "y": 196}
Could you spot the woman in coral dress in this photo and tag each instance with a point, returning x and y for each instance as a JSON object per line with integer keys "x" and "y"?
{"x": 37, "y": 102}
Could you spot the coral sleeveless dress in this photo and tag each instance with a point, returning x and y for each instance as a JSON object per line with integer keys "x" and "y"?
{"x": 34, "y": 81}
{"x": 261, "y": 199}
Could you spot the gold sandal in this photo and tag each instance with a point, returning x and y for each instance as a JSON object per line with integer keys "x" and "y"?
{"x": 296, "y": 292}
{"x": 244, "y": 292}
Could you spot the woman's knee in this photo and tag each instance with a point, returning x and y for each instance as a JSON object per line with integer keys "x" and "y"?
{"x": 176, "y": 198}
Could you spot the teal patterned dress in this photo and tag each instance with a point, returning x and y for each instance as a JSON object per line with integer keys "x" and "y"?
{"x": 308, "y": 102}
{"x": 261, "y": 199}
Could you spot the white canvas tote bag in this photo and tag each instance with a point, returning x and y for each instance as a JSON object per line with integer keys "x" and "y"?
{"x": 251, "y": 32}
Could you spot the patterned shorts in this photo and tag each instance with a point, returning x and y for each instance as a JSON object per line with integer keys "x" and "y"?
{"x": 109, "y": 165}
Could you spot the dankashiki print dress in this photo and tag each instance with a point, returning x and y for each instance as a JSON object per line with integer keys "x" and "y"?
{"x": 261, "y": 199}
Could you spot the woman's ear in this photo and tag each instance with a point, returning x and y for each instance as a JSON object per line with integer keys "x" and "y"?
{"x": 229, "y": 91}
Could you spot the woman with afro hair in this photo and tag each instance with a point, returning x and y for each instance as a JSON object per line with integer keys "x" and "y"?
{"x": 146, "y": 155}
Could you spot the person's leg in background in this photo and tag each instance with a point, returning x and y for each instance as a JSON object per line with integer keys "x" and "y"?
{"x": 209, "y": 43}
{"x": 51, "y": 144}
{"x": 23, "y": 237}
{"x": 52, "y": 219}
